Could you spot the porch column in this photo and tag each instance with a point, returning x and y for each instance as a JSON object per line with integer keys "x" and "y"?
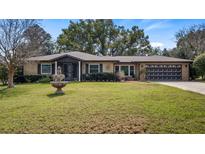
{"x": 79, "y": 72}
{"x": 56, "y": 67}
{"x": 129, "y": 70}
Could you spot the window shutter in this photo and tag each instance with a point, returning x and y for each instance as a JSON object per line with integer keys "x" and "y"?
{"x": 39, "y": 68}
{"x": 53, "y": 68}
{"x": 101, "y": 68}
{"x": 86, "y": 69}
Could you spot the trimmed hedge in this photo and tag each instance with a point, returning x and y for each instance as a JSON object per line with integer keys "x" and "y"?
{"x": 31, "y": 78}
{"x": 45, "y": 80}
{"x": 99, "y": 77}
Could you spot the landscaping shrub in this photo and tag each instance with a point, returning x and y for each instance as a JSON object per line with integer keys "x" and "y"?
{"x": 99, "y": 77}
{"x": 20, "y": 79}
{"x": 44, "y": 80}
{"x": 30, "y": 78}
{"x": 192, "y": 72}
{"x": 120, "y": 76}
{"x": 199, "y": 64}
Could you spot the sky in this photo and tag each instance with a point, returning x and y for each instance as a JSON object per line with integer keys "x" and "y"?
{"x": 161, "y": 32}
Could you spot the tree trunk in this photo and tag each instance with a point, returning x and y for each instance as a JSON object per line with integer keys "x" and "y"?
{"x": 11, "y": 77}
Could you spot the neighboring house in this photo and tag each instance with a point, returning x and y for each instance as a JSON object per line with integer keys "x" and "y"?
{"x": 74, "y": 64}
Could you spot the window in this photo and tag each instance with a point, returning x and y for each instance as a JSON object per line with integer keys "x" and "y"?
{"x": 94, "y": 68}
{"x": 125, "y": 70}
{"x": 46, "y": 68}
{"x": 117, "y": 69}
{"x": 132, "y": 71}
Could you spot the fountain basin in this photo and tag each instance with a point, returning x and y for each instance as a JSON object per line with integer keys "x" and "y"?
{"x": 59, "y": 85}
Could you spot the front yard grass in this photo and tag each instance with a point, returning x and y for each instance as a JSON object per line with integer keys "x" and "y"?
{"x": 96, "y": 107}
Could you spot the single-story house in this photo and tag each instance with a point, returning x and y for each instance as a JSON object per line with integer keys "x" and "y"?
{"x": 75, "y": 64}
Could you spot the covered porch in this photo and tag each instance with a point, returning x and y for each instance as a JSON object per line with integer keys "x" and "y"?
{"x": 71, "y": 70}
{"x": 70, "y": 67}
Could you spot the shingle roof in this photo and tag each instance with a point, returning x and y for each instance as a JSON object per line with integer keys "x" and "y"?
{"x": 89, "y": 57}
{"x": 75, "y": 54}
{"x": 149, "y": 59}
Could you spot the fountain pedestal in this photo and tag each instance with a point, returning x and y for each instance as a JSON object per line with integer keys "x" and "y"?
{"x": 57, "y": 81}
{"x": 59, "y": 86}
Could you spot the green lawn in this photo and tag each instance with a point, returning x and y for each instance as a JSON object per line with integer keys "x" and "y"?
{"x": 133, "y": 107}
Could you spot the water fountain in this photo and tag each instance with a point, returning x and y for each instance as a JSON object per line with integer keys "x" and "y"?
{"x": 58, "y": 81}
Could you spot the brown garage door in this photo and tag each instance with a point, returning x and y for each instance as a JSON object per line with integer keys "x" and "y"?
{"x": 163, "y": 72}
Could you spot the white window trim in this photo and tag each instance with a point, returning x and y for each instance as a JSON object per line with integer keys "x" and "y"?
{"x": 128, "y": 69}
{"x": 93, "y": 64}
{"x": 50, "y": 69}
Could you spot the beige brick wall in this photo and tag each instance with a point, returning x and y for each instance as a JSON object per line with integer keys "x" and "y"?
{"x": 107, "y": 66}
{"x": 185, "y": 70}
{"x": 142, "y": 71}
{"x": 31, "y": 68}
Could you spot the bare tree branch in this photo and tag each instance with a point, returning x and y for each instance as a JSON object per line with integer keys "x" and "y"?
{"x": 11, "y": 37}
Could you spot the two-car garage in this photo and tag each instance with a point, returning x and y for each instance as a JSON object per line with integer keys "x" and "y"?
{"x": 162, "y": 72}
{"x": 162, "y": 68}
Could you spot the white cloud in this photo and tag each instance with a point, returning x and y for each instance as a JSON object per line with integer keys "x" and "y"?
{"x": 146, "y": 21}
{"x": 156, "y": 25}
{"x": 157, "y": 44}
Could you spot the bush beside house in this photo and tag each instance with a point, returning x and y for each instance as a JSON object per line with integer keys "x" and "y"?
{"x": 192, "y": 73}
{"x": 107, "y": 77}
{"x": 99, "y": 77}
{"x": 32, "y": 79}
{"x": 120, "y": 76}
{"x": 199, "y": 65}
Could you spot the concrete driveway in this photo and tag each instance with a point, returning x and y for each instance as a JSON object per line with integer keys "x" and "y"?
{"x": 198, "y": 87}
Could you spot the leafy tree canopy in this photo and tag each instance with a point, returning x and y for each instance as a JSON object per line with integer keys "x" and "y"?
{"x": 191, "y": 42}
{"x": 199, "y": 64}
{"x": 38, "y": 41}
{"x": 105, "y": 38}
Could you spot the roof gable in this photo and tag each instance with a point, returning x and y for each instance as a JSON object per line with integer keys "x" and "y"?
{"x": 75, "y": 54}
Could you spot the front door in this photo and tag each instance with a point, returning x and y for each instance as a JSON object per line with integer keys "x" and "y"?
{"x": 68, "y": 71}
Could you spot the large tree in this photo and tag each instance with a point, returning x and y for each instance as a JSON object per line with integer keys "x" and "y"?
{"x": 38, "y": 41}
{"x": 11, "y": 38}
{"x": 78, "y": 36}
{"x": 104, "y": 37}
{"x": 190, "y": 42}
